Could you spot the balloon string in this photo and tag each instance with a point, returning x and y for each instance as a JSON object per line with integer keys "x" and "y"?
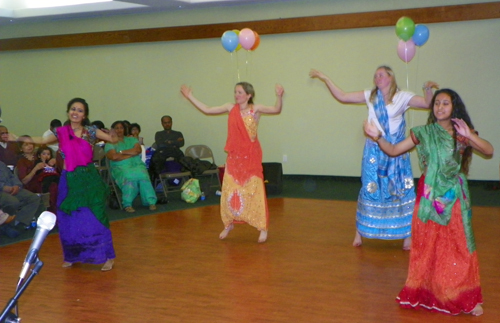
{"x": 237, "y": 67}
{"x": 407, "y": 73}
{"x": 246, "y": 63}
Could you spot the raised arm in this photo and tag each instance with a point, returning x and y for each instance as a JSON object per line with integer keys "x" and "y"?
{"x": 338, "y": 93}
{"x": 476, "y": 142}
{"x": 277, "y": 106}
{"x": 425, "y": 101}
{"x": 50, "y": 139}
{"x": 107, "y": 136}
{"x": 188, "y": 94}
{"x": 392, "y": 150}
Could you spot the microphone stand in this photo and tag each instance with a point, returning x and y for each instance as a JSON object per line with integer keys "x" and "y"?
{"x": 7, "y": 316}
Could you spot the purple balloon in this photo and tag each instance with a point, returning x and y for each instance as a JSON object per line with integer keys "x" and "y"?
{"x": 421, "y": 35}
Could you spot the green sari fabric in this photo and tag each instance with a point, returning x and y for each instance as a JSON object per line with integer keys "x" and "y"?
{"x": 131, "y": 174}
{"x": 86, "y": 188}
{"x": 444, "y": 183}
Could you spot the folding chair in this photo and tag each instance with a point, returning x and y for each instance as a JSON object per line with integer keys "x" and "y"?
{"x": 203, "y": 152}
{"x": 112, "y": 184}
{"x": 167, "y": 177}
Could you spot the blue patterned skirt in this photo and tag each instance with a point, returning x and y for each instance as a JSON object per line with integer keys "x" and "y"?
{"x": 387, "y": 196}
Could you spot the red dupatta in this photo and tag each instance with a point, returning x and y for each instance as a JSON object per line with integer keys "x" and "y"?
{"x": 244, "y": 158}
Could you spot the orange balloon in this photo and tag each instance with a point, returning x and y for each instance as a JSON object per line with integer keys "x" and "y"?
{"x": 257, "y": 41}
{"x": 237, "y": 32}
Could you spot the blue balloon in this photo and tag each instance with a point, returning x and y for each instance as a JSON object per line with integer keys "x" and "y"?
{"x": 421, "y": 35}
{"x": 229, "y": 41}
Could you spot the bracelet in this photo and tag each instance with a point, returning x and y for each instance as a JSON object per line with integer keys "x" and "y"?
{"x": 426, "y": 88}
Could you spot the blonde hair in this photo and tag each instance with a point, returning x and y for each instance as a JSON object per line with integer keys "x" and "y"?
{"x": 392, "y": 90}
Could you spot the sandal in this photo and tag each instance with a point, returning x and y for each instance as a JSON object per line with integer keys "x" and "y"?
{"x": 152, "y": 207}
{"x": 129, "y": 209}
{"x": 108, "y": 265}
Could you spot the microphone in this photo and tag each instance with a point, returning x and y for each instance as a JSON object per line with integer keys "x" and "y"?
{"x": 46, "y": 221}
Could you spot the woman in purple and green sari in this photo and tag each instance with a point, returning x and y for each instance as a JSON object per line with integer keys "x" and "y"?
{"x": 81, "y": 218}
{"x": 387, "y": 195}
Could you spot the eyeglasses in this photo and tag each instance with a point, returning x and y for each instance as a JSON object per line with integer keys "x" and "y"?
{"x": 3, "y": 133}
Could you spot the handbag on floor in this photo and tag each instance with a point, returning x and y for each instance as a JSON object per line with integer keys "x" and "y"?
{"x": 191, "y": 190}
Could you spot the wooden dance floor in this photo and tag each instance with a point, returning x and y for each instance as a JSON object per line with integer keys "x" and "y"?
{"x": 171, "y": 267}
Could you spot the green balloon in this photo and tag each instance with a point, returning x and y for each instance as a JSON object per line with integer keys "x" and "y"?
{"x": 405, "y": 27}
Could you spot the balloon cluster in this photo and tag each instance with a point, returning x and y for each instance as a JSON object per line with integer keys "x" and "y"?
{"x": 409, "y": 37}
{"x": 234, "y": 40}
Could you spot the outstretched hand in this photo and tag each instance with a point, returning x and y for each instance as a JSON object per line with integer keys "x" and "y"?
{"x": 186, "y": 91}
{"x": 431, "y": 85}
{"x": 371, "y": 129}
{"x": 279, "y": 90}
{"x": 316, "y": 74}
{"x": 461, "y": 127}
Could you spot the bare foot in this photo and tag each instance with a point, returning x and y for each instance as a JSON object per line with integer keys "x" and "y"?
{"x": 262, "y": 236}
{"x": 357, "y": 240}
{"x": 407, "y": 244}
{"x": 67, "y": 264}
{"x": 478, "y": 310}
{"x": 225, "y": 232}
{"x": 108, "y": 265}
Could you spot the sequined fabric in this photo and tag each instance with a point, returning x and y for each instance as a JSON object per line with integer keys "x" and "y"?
{"x": 385, "y": 206}
{"x": 443, "y": 275}
{"x": 243, "y": 194}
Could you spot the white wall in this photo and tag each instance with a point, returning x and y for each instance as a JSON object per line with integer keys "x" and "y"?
{"x": 140, "y": 82}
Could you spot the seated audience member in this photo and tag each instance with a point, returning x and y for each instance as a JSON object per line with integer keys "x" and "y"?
{"x": 38, "y": 172}
{"x": 9, "y": 151}
{"x": 27, "y": 205}
{"x": 53, "y": 125}
{"x": 128, "y": 170}
{"x": 135, "y": 130}
{"x": 168, "y": 143}
{"x": 127, "y": 126}
{"x": 6, "y": 218}
{"x": 7, "y": 215}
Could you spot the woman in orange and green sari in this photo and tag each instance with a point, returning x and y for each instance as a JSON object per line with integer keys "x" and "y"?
{"x": 243, "y": 198}
{"x": 443, "y": 275}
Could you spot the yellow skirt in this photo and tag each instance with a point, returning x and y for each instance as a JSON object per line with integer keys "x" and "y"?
{"x": 244, "y": 203}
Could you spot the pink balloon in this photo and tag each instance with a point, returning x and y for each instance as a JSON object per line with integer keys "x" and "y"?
{"x": 406, "y": 50}
{"x": 246, "y": 38}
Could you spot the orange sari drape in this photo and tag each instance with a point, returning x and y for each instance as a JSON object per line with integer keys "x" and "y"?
{"x": 243, "y": 197}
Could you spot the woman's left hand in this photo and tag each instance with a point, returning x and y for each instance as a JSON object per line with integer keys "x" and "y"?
{"x": 461, "y": 127}
{"x": 431, "y": 85}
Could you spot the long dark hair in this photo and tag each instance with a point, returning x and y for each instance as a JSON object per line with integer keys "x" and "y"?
{"x": 86, "y": 121}
{"x": 458, "y": 111}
